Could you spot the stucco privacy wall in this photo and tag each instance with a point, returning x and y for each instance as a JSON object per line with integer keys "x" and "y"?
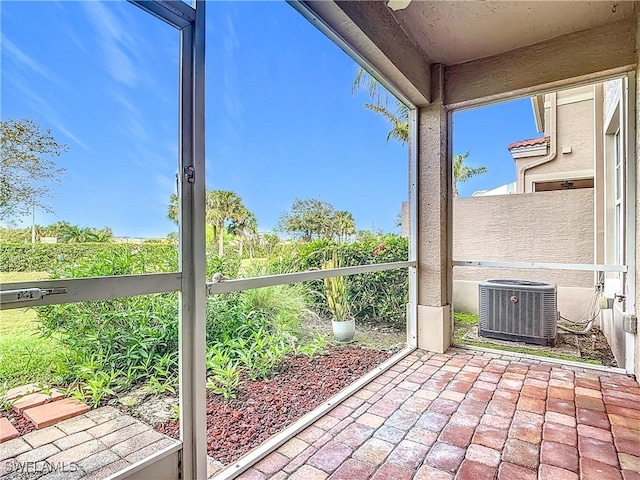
{"x": 549, "y": 227}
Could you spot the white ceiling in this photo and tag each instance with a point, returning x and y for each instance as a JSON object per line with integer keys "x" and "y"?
{"x": 452, "y": 32}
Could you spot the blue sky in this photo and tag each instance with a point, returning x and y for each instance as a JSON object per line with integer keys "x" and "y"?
{"x": 281, "y": 120}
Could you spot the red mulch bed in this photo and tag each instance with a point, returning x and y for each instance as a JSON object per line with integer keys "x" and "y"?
{"x": 263, "y": 408}
{"x": 21, "y": 424}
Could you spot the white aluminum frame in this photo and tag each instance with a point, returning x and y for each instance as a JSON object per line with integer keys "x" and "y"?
{"x": 412, "y": 312}
{"x": 95, "y": 288}
{"x": 619, "y": 186}
{"x": 191, "y": 194}
{"x": 541, "y": 266}
{"x": 286, "y": 278}
{"x": 142, "y": 464}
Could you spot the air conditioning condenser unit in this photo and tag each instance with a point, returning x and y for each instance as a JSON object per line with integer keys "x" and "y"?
{"x": 518, "y": 310}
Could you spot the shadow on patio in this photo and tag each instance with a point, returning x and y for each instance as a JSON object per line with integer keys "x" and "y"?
{"x": 472, "y": 415}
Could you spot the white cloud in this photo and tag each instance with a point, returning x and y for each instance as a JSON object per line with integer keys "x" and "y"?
{"x": 233, "y": 106}
{"x": 115, "y": 42}
{"x": 46, "y": 110}
{"x": 25, "y": 62}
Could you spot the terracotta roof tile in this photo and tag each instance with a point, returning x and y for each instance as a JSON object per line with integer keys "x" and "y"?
{"x": 531, "y": 142}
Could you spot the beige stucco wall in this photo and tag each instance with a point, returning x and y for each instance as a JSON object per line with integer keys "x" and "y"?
{"x": 575, "y": 119}
{"x": 549, "y": 227}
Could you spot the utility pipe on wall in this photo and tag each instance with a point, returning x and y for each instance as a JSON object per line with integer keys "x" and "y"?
{"x": 553, "y": 143}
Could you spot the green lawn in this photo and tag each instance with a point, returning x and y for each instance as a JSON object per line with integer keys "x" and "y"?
{"x": 24, "y": 355}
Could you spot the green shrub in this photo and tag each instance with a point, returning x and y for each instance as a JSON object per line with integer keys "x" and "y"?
{"x": 280, "y": 306}
{"x": 115, "y": 343}
{"x": 112, "y": 344}
{"x": 227, "y": 265}
{"x": 373, "y": 296}
{"x": 44, "y": 257}
{"x": 251, "y": 333}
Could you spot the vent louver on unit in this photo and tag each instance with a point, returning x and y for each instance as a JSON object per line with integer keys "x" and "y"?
{"x": 518, "y": 310}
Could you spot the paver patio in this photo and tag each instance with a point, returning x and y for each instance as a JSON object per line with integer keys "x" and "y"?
{"x": 89, "y": 446}
{"x": 462, "y": 415}
{"x": 472, "y": 415}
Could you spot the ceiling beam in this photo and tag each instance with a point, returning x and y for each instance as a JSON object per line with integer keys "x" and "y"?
{"x": 371, "y": 31}
{"x": 580, "y": 57}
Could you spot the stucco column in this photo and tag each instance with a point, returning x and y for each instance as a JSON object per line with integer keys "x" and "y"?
{"x": 434, "y": 222}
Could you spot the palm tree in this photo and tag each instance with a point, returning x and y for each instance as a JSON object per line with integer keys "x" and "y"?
{"x": 398, "y": 116}
{"x": 399, "y": 119}
{"x": 345, "y": 225}
{"x": 103, "y": 235}
{"x": 242, "y": 226}
{"x": 222, "y": 206}
{"x": 462, "y": 172}
{"x": 75, "y": 234}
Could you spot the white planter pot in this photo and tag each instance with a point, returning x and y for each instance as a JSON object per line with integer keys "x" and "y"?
{"x": 344, "y": 331}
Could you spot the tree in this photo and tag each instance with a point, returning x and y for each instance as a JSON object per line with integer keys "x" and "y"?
{"x": 27, "y": 166}
{"x": 308, "y": 219}
{"x": 174, "y": 210}
{"x": 399, "y": 119}
{"x": 53, "y": 230}
{"x": 315, "y": 218}
{"x": 242, "y": 226}
{"x": 103, "y": 235}
{"x": 222, "y": 207}
{"x": 462, "y": 172}
{"x": 76, "y": 234}
{"x": 397, "y": 115}
{"x": 269, "y": 242}
{"x": 345, "y": 225}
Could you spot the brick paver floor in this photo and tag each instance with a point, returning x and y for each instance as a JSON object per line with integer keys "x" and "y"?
{"x": 472, "y": 416}
{"x": 90, "y": 446}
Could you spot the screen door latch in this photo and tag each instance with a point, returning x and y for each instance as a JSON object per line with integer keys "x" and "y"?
{"x": 28, "y": 294}
{"x": 190, "y": 174}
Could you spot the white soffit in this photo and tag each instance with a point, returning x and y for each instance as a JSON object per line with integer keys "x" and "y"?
{"x": 453, "y": 32}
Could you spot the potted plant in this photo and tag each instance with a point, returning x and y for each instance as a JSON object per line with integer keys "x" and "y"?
{"x": 337, "y": 295}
